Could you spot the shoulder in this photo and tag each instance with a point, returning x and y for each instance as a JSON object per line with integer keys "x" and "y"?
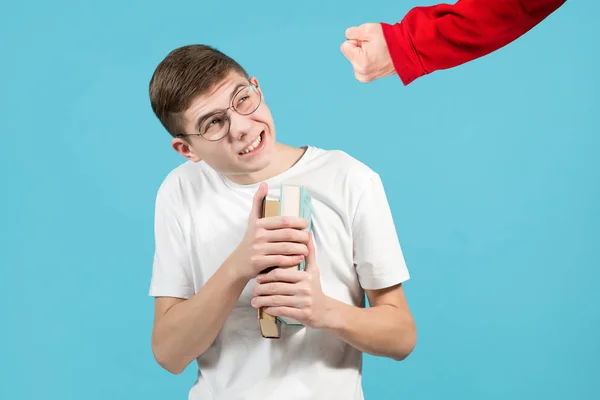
{"x": 181, "y": 182}
{"x": 344, "y": 165}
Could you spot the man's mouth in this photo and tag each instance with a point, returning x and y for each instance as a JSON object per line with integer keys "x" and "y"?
{"x": 254, "y": 146}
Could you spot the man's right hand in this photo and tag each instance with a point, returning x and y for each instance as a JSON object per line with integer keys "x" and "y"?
{"x": 269, "y": 242}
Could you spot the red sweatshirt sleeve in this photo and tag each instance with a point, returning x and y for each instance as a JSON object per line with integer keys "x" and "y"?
{"x": 442, "y": 36}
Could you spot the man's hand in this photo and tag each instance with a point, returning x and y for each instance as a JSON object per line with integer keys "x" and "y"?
{"x": 367, "y": 51}
{"x": 269, "y": 242}
{"x": 287, "y": 292}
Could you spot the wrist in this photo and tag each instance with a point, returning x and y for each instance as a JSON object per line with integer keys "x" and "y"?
{"x": 234, "y": 271}
{"x": 334, "y": 315}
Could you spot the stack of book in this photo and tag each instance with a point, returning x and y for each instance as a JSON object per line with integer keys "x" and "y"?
{"x": 294, "y": 200}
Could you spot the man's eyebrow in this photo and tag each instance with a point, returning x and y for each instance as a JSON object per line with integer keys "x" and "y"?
{"x": 206, "y": 115}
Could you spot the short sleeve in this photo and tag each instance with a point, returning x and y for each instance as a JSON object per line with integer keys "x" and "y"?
{"x": 378, "y": 256}
{"x": 171, "y": 270}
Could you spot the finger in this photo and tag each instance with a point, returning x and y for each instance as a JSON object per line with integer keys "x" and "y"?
{"x": 283, "y": 261}
{"x": 311, "y": 259}
{"x": 275, "y": 288}
{"x": 279, "y": 301}
{"x": 284, "y": 248}
{"x": 289, "y": 275}
{"x": 364, "y": 78}
{"x": 351, "y": 50}
{"x": 289, "y": 312}
{"x": 286, "y": 235}
{"x": 282, "y": 222}
{"x": 257, "y": 201}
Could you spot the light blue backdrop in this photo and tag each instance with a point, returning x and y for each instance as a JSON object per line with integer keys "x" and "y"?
{"x": 491, "y": 169}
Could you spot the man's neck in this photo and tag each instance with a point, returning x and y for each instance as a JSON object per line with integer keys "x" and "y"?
{"x": 285, "y": 157}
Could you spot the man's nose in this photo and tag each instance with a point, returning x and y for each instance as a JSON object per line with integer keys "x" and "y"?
{"x": 239, "y": 125}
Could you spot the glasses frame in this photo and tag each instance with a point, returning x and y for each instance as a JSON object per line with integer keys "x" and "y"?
{"x": 225, "y": 113}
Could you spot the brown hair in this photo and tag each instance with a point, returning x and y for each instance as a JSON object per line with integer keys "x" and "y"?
{"x": 184, "y": 74}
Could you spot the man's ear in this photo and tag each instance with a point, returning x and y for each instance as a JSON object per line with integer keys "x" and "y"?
{"x": 254, "y": 81}
{"x": 182, "y": 147}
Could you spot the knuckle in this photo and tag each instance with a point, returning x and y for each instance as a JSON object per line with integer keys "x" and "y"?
{"x": 281, "y": 260}
{"x": 255, "y": 260}
{"x": 305, "y": 290}
{"x": 307, "y": 315}
{"x": 277, "y": 273}
{"x": 260, "y": 233}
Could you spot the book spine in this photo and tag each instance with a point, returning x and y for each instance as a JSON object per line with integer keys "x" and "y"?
{"x": 306, "y": 213}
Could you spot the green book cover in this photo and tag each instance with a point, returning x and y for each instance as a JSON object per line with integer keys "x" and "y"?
{"x": 306, "y": 213}
{"x": 296, "y": 200}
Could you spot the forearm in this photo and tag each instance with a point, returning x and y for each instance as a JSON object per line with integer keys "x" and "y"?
{"x": 382, "y": 330}
{"x": 189, "y": 328}
{"x": 443, "y": 36}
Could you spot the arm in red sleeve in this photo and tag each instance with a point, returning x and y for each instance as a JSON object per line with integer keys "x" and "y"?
{"x": 444, "y": 36}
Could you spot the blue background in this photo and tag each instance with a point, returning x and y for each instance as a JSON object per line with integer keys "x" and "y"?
{"x": 491, "y": 169}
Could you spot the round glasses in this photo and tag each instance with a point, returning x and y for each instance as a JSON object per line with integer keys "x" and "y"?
{"x": 215, "y": 126}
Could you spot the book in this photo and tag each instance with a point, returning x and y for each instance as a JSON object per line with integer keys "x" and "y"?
{"x": 270, "y": 326}
{"x": 296, "y": 201}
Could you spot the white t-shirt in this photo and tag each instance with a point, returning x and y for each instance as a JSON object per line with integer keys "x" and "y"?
{"x": 201, "y": 217}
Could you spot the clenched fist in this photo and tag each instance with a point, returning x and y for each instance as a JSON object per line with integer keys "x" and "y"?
{"x": 367, "y": 51}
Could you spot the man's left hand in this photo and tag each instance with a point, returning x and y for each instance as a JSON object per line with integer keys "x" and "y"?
{"x": 288, "y": 292}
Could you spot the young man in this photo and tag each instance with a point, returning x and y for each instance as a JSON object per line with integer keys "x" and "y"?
{"x": 440, "y": 36}
{"x": 211, "y": 246}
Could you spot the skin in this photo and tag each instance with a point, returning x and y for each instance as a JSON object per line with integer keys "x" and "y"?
{"x": 185, "y": 328}
{"x": 244, "y": 129}
{"x": 367, "y": 51}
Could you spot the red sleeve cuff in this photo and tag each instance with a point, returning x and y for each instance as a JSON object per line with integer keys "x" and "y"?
{"x": 404, "y": 57}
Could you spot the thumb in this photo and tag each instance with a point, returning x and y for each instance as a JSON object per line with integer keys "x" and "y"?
{"x": 257, "y": 201}
{"x": 311, "y": 258}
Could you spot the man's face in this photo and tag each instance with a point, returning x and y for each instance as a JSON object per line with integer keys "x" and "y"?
{"x": 229, "y": 155}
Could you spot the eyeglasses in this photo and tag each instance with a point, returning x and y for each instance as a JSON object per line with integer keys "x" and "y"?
{"x": 215, "y": 126}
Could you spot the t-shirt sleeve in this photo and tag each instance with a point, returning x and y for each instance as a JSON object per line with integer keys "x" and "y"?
{"x": 171, "y": 270}
{"x": 378, "y": 256}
